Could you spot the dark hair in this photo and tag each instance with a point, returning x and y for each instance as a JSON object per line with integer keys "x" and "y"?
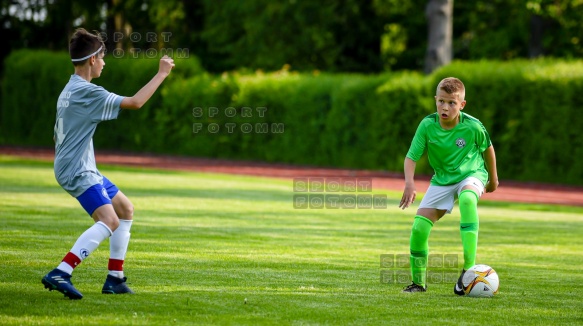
{"x": 452, "y": 85}
{"x": 83, "y": 44}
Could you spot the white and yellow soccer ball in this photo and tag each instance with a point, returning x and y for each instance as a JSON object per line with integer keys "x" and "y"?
{"x": 480, "y": 281}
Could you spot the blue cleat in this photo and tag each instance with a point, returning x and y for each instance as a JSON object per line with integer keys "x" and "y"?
{"x": 61, "y": 281}
{"x": 116, "y": 285}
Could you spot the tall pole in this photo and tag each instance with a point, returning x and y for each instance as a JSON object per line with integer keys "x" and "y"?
{"x": 439, "y": 14}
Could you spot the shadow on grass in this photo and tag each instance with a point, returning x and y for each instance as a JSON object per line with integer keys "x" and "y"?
{"x": 532, "y": 207}
{"x": 210, "y": 193}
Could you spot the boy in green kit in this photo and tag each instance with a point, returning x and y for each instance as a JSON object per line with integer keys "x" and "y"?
{"x": 463, "y": 158}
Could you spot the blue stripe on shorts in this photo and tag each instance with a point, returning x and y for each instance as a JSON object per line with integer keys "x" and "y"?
{"x": 97, "y": 196}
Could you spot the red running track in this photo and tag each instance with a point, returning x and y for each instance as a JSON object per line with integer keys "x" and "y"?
{"x": 508, "y": 191}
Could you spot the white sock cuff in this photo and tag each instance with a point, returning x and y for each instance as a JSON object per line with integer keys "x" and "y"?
{"x": 124, "y": 225}
{"x": 109, "y": 233}
{"x": 118, "y": 243}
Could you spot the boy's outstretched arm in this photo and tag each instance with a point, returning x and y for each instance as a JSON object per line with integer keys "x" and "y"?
{"x": 143, "y": 95}
{"x": 490, "y": 160}
{"x": 409, "y": 193}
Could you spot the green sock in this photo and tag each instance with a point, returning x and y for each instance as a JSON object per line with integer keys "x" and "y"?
{"x": 469, "y": 226}
{"x": 419, "y": 248}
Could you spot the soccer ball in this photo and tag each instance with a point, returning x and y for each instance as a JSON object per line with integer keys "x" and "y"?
{"x": 480, "y": 281}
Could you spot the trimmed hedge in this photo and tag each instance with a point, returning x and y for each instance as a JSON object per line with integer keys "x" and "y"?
{"x": 531, "y": 109}
{"x": 31, "y": 83}
{"x": 34, "y": 79}
{"x": 337, "y": 120}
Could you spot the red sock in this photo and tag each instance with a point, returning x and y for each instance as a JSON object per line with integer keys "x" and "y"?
{"x": 115, "y": 265}
{"x": 69, "y": 263}
{"x": 72, "y": 260}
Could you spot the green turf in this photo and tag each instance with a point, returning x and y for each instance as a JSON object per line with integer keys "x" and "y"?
{"x": 203, "y": 243}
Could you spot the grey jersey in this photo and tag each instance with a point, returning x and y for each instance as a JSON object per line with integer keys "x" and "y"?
{"x": 81, "y": 106}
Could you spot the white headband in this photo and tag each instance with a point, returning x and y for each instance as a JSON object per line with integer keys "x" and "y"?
{"x": 89, "y": 56}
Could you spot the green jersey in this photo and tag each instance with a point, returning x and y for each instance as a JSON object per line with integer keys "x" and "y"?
{"x": 453, "y": 154}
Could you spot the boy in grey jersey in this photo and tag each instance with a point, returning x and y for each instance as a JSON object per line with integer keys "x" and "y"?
{"x": 80, "y": 108}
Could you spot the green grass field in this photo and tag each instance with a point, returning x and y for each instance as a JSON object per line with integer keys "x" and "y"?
{"x": 202, "y": 244}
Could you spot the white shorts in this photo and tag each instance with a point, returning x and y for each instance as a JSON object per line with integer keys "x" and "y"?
{"x": 443, "y": 197}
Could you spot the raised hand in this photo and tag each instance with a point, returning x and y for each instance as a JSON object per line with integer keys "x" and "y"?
{"x": 166, "y": 64}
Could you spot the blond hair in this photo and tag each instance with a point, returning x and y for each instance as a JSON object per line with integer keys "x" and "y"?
{"x": 452, "y": 85}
